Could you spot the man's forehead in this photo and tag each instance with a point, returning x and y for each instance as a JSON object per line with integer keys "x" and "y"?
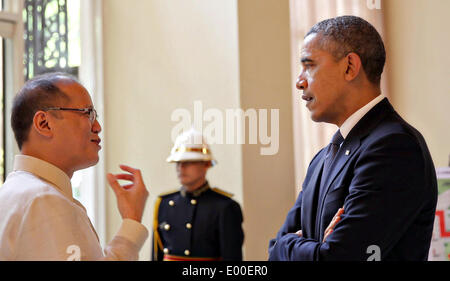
{"x": 312, "y": 48}
{"x": 75, "y": 91}
{"x": 309, "y": 46}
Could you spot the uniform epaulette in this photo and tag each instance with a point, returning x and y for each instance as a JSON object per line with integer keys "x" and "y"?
{"x": 168, "y": 192}
{"x": 220, "y": 191}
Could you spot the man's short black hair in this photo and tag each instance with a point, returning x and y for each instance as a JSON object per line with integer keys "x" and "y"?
{"x": 342, "y": 35}
{"x": 38, "y": 93}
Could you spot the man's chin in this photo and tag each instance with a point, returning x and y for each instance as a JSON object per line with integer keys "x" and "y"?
{"x": 184, "y": 182}
{"x": 319, "y": 117}
{"x": 90, "y": 163}
{"x": 315, "y": 117}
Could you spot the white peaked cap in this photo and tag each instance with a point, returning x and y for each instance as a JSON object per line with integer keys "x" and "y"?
{"x": 191, "y": 146}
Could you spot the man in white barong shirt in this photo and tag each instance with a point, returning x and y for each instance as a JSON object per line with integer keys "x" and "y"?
{"x": 56, "y": 129}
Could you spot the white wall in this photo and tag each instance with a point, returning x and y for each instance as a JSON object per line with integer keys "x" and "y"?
{"x": 162, "y": 55}
{"x": 418, "y": 45}
{"x": 265, "y": 78}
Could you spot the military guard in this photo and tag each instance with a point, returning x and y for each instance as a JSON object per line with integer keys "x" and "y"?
{"x": 196, "y": 222}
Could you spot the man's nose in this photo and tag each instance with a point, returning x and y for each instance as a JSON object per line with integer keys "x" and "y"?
{"x": 301, "y": 83}
{"x": 96, "y": 128}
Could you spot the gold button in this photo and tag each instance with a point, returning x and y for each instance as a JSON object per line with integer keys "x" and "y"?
{"x": 166, "y": 251}
{"x": 193, "y": 201}
{"x": 171, "y": 203}
{"x": 188, "y": 226}
{"x": 187, "y": 253}
{"x": 167, "y": 226}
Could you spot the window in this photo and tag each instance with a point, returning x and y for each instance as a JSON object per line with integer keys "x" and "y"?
{"x": 51, "y": 36}
{"x": 11, "y": 78}
{"x": 52, "y": 43}
{"x": 57, "y": 40}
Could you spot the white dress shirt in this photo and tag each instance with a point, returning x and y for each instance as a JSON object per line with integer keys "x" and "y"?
{"x": 40, "y": 220}
{"x": 351, "y": 121}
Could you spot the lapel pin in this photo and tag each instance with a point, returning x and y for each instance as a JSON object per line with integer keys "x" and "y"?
{"x": 347, "y": 152}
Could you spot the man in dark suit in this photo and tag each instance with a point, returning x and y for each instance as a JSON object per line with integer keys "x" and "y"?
{"x": 376, "y": 175}
{"x": 196, "y": 222}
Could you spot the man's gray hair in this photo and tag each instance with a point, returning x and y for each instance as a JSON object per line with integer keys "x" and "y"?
{"x": 342, "y": 35}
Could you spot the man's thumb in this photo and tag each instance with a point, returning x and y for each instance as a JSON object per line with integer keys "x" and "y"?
{"x": 113, "y": 183}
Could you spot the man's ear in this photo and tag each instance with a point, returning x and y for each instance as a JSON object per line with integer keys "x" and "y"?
{"x": 41, "y": 124}
{"x": 354, "y": 65}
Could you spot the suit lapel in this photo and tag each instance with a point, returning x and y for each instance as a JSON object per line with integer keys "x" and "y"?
{"x": 309, "y": 206}
{"x": 353, "y": 140}
{"x": 344, "y": 153}
{"x": 350, "y": 145}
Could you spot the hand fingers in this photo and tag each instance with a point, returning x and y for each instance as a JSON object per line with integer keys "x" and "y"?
{"x": 113, "y": 183}
{"x": 336, "y": 218}
{"x": 129, "y": 169}
{"x": 128, "y": 186}
{"x": 124, "y": 177}
{"x": 135, "y": 177}
{"x": 136, "y": 172}
{"x": 333, "y": 224}
{"x": 327, "y": 233}
{"x": 328, "y": 229}
{"x": 334, "y": 221}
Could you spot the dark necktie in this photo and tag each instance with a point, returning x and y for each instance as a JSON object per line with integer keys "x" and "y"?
{"x": 332, "y": 150}
{"x": 331, "y": 154}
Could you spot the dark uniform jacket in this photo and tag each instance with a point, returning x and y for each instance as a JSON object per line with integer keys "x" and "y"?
{"x": 384, "y": 178}
{"x": 202, "y": 225}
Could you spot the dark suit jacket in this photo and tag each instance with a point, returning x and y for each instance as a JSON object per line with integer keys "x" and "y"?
{"x": 215, "y": 230}
{"x": 384, "y": 177}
